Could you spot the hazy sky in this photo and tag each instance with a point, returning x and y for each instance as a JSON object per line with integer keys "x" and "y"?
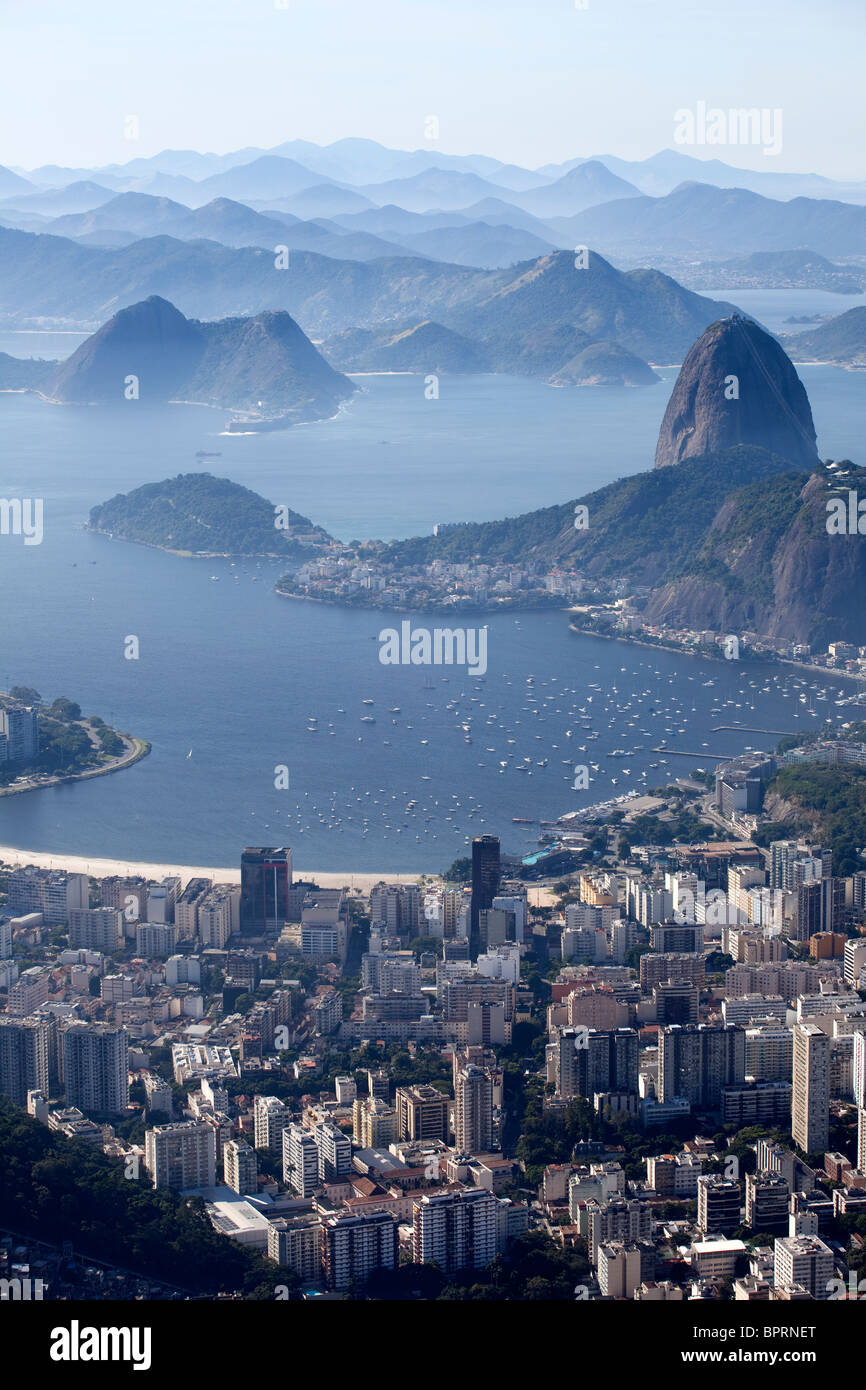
{"x": 526, "y": 82}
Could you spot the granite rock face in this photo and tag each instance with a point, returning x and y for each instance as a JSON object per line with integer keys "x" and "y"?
{"x": 737, "y": 386}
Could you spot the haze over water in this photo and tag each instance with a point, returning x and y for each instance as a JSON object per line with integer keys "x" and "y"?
{"x": 229, "y": 673}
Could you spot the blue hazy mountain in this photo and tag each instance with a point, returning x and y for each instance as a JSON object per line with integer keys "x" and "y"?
{"x": 264, "y": 363}
{"x": 697, "y": 219}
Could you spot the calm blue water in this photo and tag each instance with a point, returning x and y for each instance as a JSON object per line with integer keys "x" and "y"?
{"x": 773, "y": 307}
{"x": 229, "y": 673}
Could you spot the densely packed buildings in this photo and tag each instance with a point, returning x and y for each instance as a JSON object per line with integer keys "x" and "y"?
{"x": 344, "y": 1079}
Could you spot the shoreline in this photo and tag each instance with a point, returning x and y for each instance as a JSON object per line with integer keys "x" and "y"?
{"x": 358, "y": 884}
{"x": 771, "y": 659}
{"x": 103, "y": 868}
{"x": 139, "y": 748}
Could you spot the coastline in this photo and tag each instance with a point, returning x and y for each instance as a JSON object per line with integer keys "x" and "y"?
{"x": 137, "y": 749}
{"x": 356, "y": 884}
{"x": 104, "y": 868}
{"x": 772, "y": 658}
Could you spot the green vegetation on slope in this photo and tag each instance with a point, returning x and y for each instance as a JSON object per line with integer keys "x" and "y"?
{"x": 198, "y": 512}
{"x": 649, "y": 526}
{"x": 834, "y": 798}
{"x": 55, "y": 1189}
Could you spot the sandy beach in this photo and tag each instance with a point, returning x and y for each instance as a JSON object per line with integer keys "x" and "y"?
{"x": 539, "y": 895}
{"x": 104, "y": 868}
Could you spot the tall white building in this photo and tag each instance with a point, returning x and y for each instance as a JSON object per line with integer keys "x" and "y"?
{"x": 95, "y": 1067}
{"x": 618, "y": 1270}
{"x": 300, "y": 1160}
{"x": 803, "y": 1260}
{"x": 270, "y": 1118}
{"x": 515, "y": 903}
{"x": 454, "y": 1229}
{"x": 218, "y": 915}
{"x": 354, "y": 1246}
{"x": 31, "y": 989}
{"x": 96, "y": 928}
{"x": 859, "y": 1070}
{"x": 810, "y": 1101}
{"x": 53, "y": 894}
{"x": 240, "y": 1167}
{"x": 335, "y": 1152}
{"x": 473, "y": 1111}
{"x": 24, "y": 1057}
{"x": 181, "y": 1155}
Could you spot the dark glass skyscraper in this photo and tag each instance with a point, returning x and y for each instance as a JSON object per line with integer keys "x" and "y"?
{"x": 486, "y": 873}
{"x": 266, "y": 877}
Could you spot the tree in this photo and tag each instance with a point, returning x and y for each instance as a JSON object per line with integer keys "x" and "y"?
{"x": 460, "y": 871}
{"x": 26, "y": 694}
{"x": 65, "y": 710}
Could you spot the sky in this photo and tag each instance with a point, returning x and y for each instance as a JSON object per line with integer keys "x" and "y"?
{"x": 529, "y": 83}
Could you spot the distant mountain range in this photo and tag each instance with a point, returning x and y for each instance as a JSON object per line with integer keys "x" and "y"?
{"x": 699, "y": 220}
{"x": 532, "y": 319}
{"x": 539, "y": 320}
{"x": 357, "y": 161}
{"x": 638, "y": 212}
{"x": 149, "y": 352}
{"x": 128, "y": 217}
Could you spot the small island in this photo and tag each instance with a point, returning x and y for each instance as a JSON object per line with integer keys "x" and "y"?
{"x": 196, "y": 514}
{"x": 42, "y": 745}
